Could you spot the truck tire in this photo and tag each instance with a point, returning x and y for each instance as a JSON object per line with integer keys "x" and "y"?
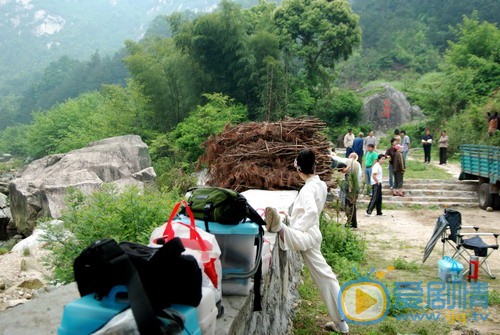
{"x": 485, "y": 197}
{"x": 496, "y": 201}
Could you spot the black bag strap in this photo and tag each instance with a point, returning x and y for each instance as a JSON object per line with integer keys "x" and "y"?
{"x": 254, "y": 216}
{"x": 206, "y": 215}
{"x": 147, "y": 322}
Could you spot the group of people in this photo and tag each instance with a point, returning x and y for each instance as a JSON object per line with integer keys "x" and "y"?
{"x": 298, "y": 229}
{"x": 363, "y": 149}
{"x": 443, "y": 146}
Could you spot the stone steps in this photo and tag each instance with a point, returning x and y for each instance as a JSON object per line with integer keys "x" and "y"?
{"x": 430, "y": 193}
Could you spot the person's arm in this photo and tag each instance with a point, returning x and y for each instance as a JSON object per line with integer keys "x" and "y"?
{"x": 374, "y": 176}
{"x": 340, "y": 159}
{"x": 345, "y": 140}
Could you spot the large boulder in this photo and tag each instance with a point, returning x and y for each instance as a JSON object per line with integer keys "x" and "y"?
{"x": 41, "y": 189}
{"x": 388, "y": 108}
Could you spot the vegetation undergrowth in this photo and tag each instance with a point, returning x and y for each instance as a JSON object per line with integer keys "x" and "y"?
{"x": 128, "y": 216}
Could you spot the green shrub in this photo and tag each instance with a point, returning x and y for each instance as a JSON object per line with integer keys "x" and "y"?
{"x": 128, "y": 216}
{"x": 342, "y": 248}
{"x": 174, "y": 177}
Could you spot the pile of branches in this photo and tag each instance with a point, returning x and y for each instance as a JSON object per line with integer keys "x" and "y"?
{"x": 261, "y": 155}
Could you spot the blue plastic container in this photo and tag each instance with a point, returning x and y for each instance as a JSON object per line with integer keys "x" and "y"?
{"x": 191, "y": 324}
{"x": 238, "y": 253}
{"x": 450, "y": 270}
{"x": 87, "y": 314}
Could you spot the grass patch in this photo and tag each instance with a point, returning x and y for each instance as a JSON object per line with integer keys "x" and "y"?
{"x": 26, "y": 252}
{"x": 493, "y": 298}
{"x": 3, "y": 251}
{"x": 403, "y": 264}
{"x": 12, "y": 164}
{"x": 416, "y": 169}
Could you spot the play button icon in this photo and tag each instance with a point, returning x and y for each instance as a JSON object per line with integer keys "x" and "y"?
{"x": 364, "y": 302}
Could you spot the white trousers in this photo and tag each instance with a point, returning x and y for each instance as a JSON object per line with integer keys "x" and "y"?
{"x": 321, "y": 273}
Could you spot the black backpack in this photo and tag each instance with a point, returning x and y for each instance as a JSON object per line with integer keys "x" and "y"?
{"x": 155, "y": 277}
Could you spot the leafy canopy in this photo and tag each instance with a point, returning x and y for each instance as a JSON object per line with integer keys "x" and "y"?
{"x": 318, "y": 32}
{"x": 205, "y": 121}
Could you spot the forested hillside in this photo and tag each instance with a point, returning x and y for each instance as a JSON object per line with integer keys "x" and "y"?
{"x": 193, "y": 73}
{"x": 35, "y": 32}
{"x": 407, "y": 38}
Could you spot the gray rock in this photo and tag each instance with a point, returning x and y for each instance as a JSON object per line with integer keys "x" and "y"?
{"x": 389, "y": 108}
{"x": 3, "y": 200}
{"x": 5, "y": 157}
{"x": 42, "y": 188}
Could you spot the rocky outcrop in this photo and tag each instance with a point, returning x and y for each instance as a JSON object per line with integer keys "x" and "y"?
{"x": 388, "y": 108}
{"x": 41, "y": 189}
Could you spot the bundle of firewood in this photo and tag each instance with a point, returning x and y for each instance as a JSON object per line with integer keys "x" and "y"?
{"x": 260, "y": 155}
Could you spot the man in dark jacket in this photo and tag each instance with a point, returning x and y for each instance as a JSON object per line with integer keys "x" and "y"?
{"x": 357, "y": 146}
{"x": 427, "y": 144}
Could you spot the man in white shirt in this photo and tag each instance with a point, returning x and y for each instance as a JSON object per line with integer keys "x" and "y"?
{"x": 348, "y": 141}
{"x": 376, "y": 181}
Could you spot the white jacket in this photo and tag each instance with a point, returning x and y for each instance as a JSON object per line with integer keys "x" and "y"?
{"x": 306, "y": 211}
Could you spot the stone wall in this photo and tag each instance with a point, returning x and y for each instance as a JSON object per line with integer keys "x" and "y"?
{"x": 279, "y": 293}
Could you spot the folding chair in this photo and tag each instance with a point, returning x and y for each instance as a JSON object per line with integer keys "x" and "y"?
{"x": 454, "y": 237}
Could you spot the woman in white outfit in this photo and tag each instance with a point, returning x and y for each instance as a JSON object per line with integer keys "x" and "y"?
{"x": 303, "y": 234}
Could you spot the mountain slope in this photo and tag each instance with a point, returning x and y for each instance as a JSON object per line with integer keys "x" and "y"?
{"x": 35, "y": 32}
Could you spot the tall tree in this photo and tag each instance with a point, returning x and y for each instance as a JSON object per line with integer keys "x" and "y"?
{"x": 170, "y": 79}
{"x": 220, "y": 45}
{"x": 318, "y": 32}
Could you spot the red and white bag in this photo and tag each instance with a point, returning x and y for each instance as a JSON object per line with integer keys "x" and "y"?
{"x": 198, "y": 243}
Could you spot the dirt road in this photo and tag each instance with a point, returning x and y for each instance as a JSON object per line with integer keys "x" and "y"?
{"x": 403, "y": 234}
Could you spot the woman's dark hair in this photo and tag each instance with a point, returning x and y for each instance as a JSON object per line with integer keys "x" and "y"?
{"x": 306, "y": 160}
{"x": 380, "y": 156}
{"x": 341, "y": 166}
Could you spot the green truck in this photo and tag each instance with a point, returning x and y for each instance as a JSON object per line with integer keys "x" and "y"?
{"x": 482, "y": 163}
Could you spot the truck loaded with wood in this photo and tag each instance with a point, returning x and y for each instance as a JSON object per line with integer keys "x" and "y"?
{"x": 482, "y": 163}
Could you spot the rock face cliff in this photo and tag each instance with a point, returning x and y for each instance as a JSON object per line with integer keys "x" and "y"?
{"x": 41, "y": 189}
{"x": 388, "y": 108}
